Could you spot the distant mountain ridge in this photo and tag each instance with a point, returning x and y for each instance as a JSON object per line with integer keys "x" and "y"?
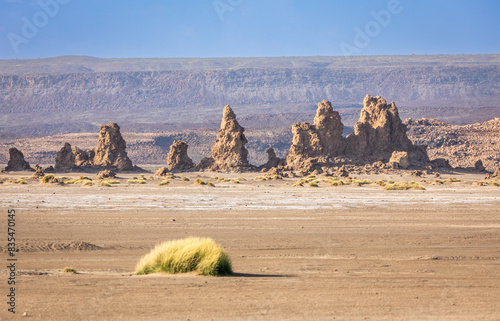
{"x": 160, "y": 94}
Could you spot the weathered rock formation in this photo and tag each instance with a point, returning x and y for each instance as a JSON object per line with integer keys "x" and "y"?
{"x": 272, "y": 159}
{"x": 178, "y": 159}
{"x": 319, "y": 141}
{"x": 65, "y": 159}
{"x": 378, "y": 135}
{"x": 399, "y": 160}
{"x": 106, "y": 174}
{"x": 110, "y": 153}
{"x": 39, "y": 172}
{"x": 479, "y": 166}
{"x": 17, "y": 162}
{"x": 111, "y": 149}
{"x": 378, "y": 132}
{"x": 229, "y": 151}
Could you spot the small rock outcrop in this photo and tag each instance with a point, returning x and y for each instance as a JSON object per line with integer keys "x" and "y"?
{"x": 317, "y": 142}
{"x": 178, "y": 159}
{"x": 162, "y": 172}
{"x": 272, "y": 159}
{"x": 65, "y": 159}
{"x": 229, "y": 152}
{"x": 111, "y": 149}
{"x": 399, "y": 160}
{"x": 106, "y": 174}
{"x": 39, "y": 172}
{"x": 478, "y": 166}
{"x": 17, "y": 161}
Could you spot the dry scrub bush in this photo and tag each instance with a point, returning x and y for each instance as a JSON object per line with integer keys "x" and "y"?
{"x": 69, "y": 269}
{"x": 201, "y": 255}
{"x": 49, "y": 179}
{"x": 199, "y": 181}
{"x": 164, "y": 182}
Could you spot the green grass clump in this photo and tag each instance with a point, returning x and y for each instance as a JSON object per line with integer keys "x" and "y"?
{"x": 21, "y": 181}
{"x": 210, "y": 184}
{"x": 199, "y": 181}
{"x": 452, "y": 180}
{"x": 390, "y": 181}
{"x": 164, "y": 182}
{"x": 381, "y": 183}
{"x": 403, "y": 186}
{"x": 136, "y": 181}
{"x": 114, "y": 182}
{"x": 362, "y": 182}
{"x": 69, "y": 269}
{"x": 185, "y": 179}
{"x": 201, "y": 255}
{"x": 87, "y": 183}
{"x": 314, "y": 184}
{"x": 300, "y": 183}
{"x": 49, "y": 179}
{"x": 105, "y": 184}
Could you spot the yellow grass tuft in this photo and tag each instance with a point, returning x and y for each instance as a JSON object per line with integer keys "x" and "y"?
{"x": 69, "y": 269}
{"x": 201, "y": 255}
{"x": 164, "y": 182}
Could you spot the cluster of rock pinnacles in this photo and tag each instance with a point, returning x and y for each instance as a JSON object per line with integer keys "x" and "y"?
{"x": 379, "y": 136}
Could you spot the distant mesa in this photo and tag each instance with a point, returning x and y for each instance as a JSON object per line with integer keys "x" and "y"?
{"x": 17, "y": 161}
{"x": 110, "y": 153}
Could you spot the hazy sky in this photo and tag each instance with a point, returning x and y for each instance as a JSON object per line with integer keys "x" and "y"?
{"x": 247, "y": 28}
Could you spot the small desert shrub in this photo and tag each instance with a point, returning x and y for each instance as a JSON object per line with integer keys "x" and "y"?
{"x": 236, "y": 181}
{"x": 438, "y": 181}
{"x": 105, "y": 184}
{"x": 201, "y": 255}
{"x": 164, "y": 182}
{"x": 241, "y": 179}
{"x": 49, "y": 179}
{"x": 185, "y": 179}
{"x": 381, "y": 183}
{"x": 114, "y": 182}
{"x": 314, "y": 184}
{"x": 300, "y": 183}
{"x": 362, "y": 182}
{"x": 69, "y": 269}
{"x": 142, "y": 177}
{"x": 403, "y": 186}
{"x": 210, "y": 184}
{"x": 84, "y": 178}
{"x": 21, "y": 181}
{"x": 87, "y": 183}
{"x": 199, "y": 181}
{"x": 390, "y": 181}
{"x": 136, "y": 181}
{"x": 71, "y": 181}
{"x": 452, "y": 180}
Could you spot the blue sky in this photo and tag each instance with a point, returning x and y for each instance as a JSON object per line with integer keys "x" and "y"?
{"x": 247, "y": 28}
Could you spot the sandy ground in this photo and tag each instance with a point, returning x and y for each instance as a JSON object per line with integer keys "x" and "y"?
{"x": 299, "y": 253}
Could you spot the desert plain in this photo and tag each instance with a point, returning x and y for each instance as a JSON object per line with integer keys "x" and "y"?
{"x": 353, "y": 252}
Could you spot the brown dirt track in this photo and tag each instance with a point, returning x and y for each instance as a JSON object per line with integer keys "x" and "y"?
{"x": 343, "y": 253}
